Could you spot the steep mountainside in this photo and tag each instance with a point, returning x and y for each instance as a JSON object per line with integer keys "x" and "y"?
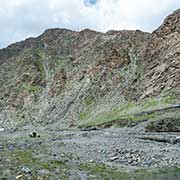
{"x": 68, "y": 79}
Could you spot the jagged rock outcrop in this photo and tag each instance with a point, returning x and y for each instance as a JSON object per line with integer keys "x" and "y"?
{"x": 170, "y": 25}
{"x": 64, "y": 76}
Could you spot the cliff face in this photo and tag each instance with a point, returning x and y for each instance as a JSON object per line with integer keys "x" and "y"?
{"x": 68, "y": 78}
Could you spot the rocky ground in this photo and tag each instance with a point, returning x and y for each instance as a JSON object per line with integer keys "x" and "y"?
{"x": 113, "y": 153}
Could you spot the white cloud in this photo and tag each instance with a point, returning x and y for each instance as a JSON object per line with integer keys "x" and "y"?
{"x": 22, "y": 18}
{"x": 130, "y": 14}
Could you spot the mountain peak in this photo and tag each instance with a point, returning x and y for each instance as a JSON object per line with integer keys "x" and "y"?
{"x": 170, "y": 25}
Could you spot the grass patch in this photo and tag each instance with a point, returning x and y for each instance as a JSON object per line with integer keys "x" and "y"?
{"x": 170, "y": 99}
{"x": 150, "y": 103}
{"x": 88, "y": 104}
{"x": 38, "y": 60}
{"x": 105, "y": 172}
{"x": 83, "y": 115}
{"x": 158, "y": 102}
{"x": 88, "y": 101}
{"x": 38, "y": 57}
{"x": 26, "y": 158}
{"x": 39, "y": 64}
{"x": 106, "y": 117}
{"x": 102, "y": 171}
{"x": 130, "y": 113}
{"x": 33, "y": 88}
{"x": 61, "y": 62}
{"x": 127, "y": 120}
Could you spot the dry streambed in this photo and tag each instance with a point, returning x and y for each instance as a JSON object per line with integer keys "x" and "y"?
{"x": 114, "y": 153}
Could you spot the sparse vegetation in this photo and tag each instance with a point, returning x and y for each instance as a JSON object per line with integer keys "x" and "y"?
{"x": 25, "y": 158}
{"x": 88, "y": 101}
{"x": 84, "y": 115}
{"x": 33, "y": 88}
{"x": 105, "y": 172}
{"x": 61, "y": 169}
{"x": 129, "y": 114}
{"x": 61, "y": 62}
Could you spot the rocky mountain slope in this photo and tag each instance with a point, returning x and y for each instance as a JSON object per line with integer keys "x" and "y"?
{"x": 67, "y": 79}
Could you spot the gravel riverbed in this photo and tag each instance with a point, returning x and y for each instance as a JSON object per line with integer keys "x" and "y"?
{"x": 121, "y": 148}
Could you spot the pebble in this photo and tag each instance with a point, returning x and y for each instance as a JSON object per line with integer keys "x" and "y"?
{"x": 101, "y": 151}
{"x": 114, "y": 158}
{"x": 34, "y": 134}
{"x": 19, "y": 176}
{"x": 43, "y": 171}
{"x": 26, "y": 170}
{"x": 147, "y": 162}
{"x": 62, "y": 155}
{"x": 10, "y": 147}
{"x": 1, "y": 129}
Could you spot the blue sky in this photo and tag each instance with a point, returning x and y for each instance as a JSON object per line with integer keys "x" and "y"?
{"x": 21, "y": 19}
{"x": 91, "y": 1}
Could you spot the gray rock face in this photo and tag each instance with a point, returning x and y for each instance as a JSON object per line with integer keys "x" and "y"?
{"x": 64, "y": 76}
